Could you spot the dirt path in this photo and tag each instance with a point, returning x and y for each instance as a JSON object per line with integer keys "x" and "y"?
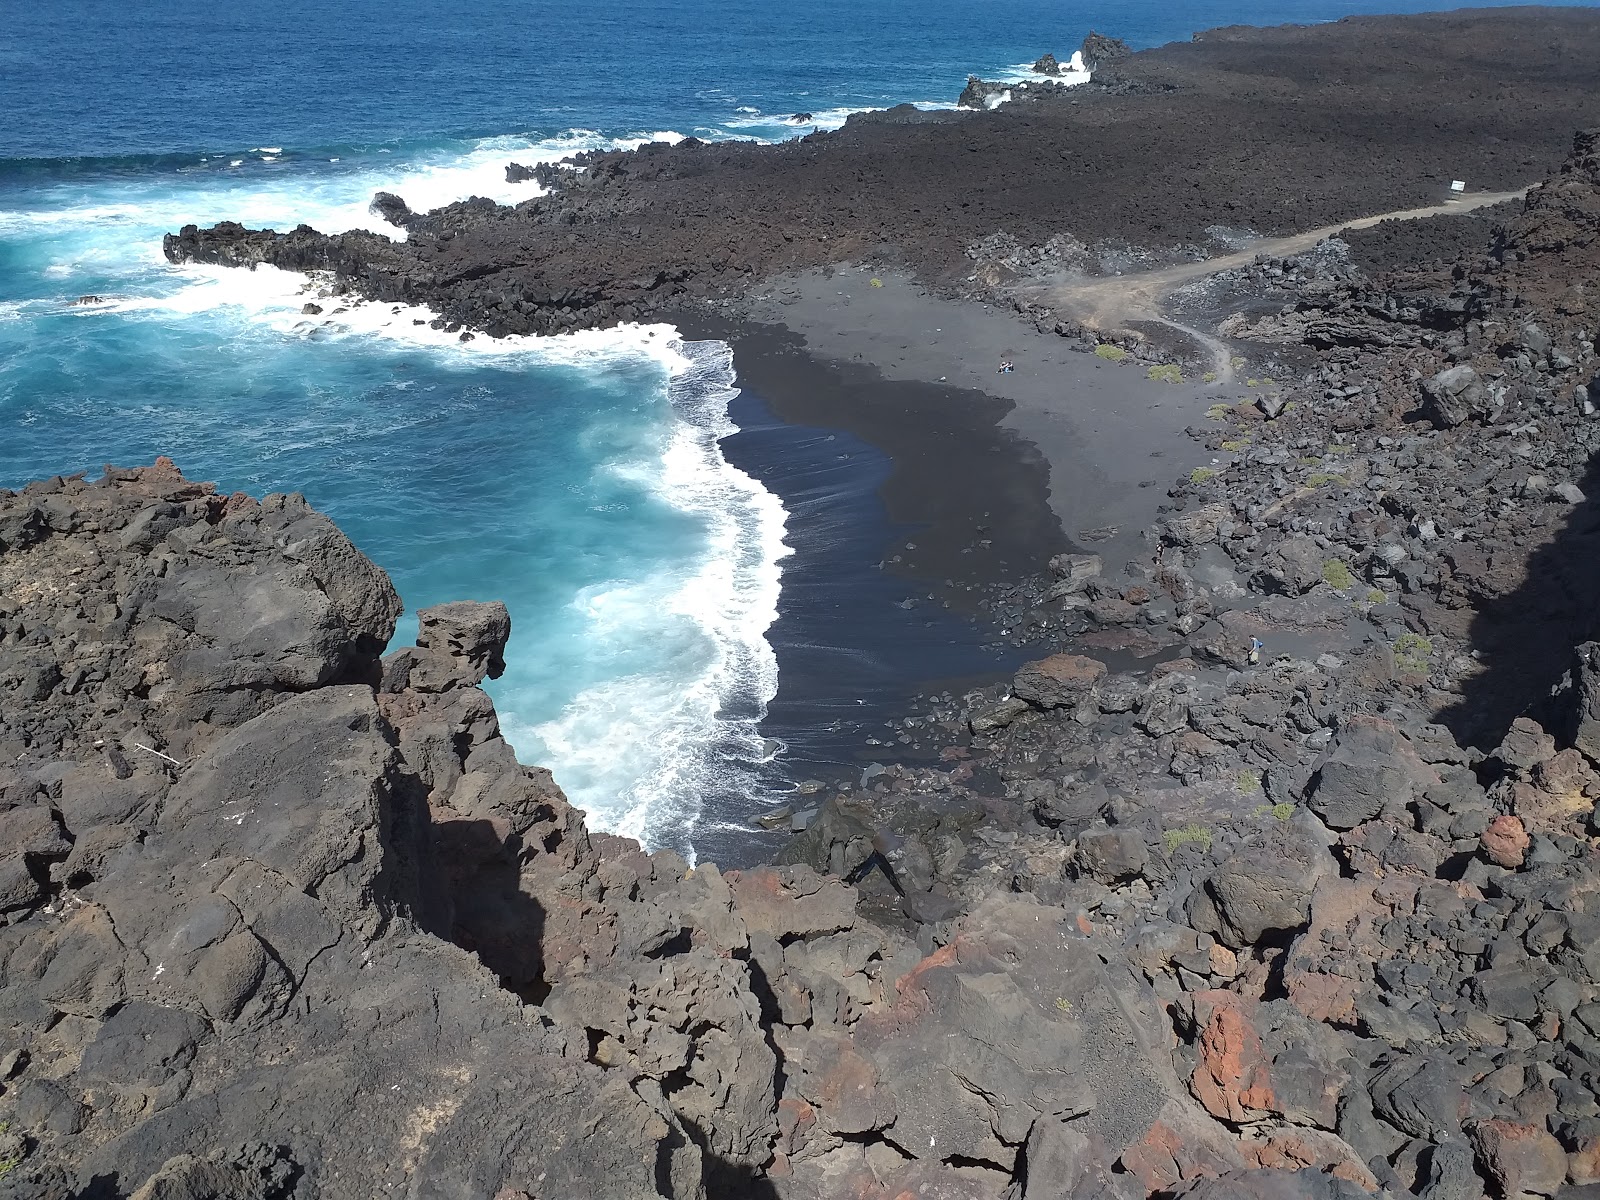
{"x": 1107, "y": 303}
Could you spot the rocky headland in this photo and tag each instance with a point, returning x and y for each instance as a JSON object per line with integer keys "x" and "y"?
{"x": 1169, "y": 915}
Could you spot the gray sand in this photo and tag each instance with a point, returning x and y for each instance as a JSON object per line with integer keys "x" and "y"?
{"x": 1114, "y": 440}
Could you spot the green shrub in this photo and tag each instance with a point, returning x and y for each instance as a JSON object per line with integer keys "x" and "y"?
{"x": 1236, "y": 445}
{"x": 1412, "y": 654}
{"x": 1218, "y": 411}
{"x": 1165, "y": 373}
{"x": 1376, "y": 597}
{"x": 1337, "y": 575}
{"x": 1209, "y": 377}
{"x": 1109, "y": 352}
{"x": 1187, "y": 835}
{"x": 1202, "y": 474}
{"x": 1318, "y": 478}
{"x": 1249, "y": 781}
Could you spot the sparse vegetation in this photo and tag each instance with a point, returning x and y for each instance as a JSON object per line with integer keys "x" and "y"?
{"x": 1310, "y": 460}
{"x": 1376, "y": 597}
{"x": 1249, "y": 781}
{"x": 1209, "y": 377}
{"x": 1063, "y": 1004}
{"x": 1336, "y": 575}
{"x": 1318, "y": 478}
{"x": 1109, "y": 352}
{"x": 1218, "y": 411}
{"x": 1236, "y": 445}
{"x": 1165, "y": 373}
{"x": 1202, "y": 474}
{"x": 1278, "y": 812}
{"x": 1252, "y": 383}
{"x": 1186, "y": 835}
{"x": 875, "y": 281}
{"x": 1339, "y": 448}
{"x": 1412, "y": 654}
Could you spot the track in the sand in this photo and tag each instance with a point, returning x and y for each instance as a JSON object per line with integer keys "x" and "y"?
{"x": 1107, "y": 303}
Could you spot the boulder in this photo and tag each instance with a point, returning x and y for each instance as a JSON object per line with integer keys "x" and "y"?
{"x": 1521, "y": 1158}
{"x": 1369, "y": 769}
{"x": 1059, "y": 681}
{"x": 1456, "y": 394}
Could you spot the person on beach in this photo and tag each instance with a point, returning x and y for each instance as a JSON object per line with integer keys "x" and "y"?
{"x": 1005, "y": 366}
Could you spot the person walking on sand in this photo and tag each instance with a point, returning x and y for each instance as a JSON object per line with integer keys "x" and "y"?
{"x": 1256, "y": 646}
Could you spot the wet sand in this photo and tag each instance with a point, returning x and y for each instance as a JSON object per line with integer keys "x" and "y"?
{"x": 918, "y": 479}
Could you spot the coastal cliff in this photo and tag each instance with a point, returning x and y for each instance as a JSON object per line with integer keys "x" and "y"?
{"x": 284, "y": 917}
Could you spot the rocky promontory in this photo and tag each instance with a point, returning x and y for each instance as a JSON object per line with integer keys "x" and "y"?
{"x": 1270, "y": 130}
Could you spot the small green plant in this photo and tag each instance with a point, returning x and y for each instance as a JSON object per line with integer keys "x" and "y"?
{"x": 1376, "y": 597}
{"x": 1252, "y": 383}
{"x": 1336, "y": 575}
{"x": 1186, "y": 835}
{"x": 1109, "y": 352}
{"x": 1340, "y": 448}
{"x": 1311, "y": 460}
{"x": 1063, "y": 1004}
{"x": 1218, "y": 412}
{"x": 1291, "y": 405}
{"x": 1165, "y": 373}
{"x": 875, "y": 281}
{"x": 1236, "y": 445}
{"x": 1202, "y": 474}
{"x": 1412, "y": 653}
{"x": 1209, "y": 377}
{"x": 1236, "y": 361}
{"x": 12, "y": 1160}
{"x": 1249, "y": 781}
{"x": 1318, "y": 478}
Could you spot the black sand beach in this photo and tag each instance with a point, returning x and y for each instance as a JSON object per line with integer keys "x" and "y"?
{"x": 919, "y": 480}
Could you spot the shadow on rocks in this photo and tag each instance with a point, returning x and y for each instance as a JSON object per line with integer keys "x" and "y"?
{"x": 1524, "y": 636}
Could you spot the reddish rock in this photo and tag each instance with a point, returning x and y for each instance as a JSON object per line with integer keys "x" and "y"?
{"x": 784, "y": 901}
{"x": 1181, "y": 1145}
{"x": 1292, "y": 1148}
{"x": 1520, "y": 1157}
{"x": 1583, "y": 1164}
{"x": 1506, "y": 842}
{"x": 1232, "y": 1078}
{"x": 1058, "y": 680}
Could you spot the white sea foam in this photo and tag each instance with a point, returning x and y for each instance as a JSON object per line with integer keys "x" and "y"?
{"x": 1073, "y": 72}
{"x": 773, "y": 126}
{"x": 332, "y": 203}
{"x": 639, "y": 751}
{"x": 642, "y": 752}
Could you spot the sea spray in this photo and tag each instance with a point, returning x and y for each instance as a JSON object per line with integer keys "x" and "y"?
{"x": 644, "y": 753}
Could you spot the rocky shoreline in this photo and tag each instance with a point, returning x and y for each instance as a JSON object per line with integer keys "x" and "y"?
{"x": 283, "y": 916}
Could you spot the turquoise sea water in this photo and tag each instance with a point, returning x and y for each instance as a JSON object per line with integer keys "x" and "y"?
{"x": 578, "y": 478}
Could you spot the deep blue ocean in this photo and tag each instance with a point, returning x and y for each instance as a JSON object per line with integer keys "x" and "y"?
{"x": 579, "y": 478}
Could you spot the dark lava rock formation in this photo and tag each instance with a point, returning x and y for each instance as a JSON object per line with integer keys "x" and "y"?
{"x": 284, "y": 917}
{"x": 1273, "y": 130}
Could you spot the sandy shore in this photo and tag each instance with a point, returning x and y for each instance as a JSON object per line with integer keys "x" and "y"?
{"x": 919, "y": 479}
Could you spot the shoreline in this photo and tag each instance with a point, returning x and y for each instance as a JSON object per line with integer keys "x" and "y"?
{"x": 914, "y": 499}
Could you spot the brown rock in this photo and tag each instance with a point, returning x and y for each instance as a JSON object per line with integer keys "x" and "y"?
{"x": 1232, "y": 1078}
{"x": 1506, "y": 842}
{"x": 1583, "y": 1164}
{"x": 1520, "y": 1157}
{"x": 1058, "y": 680}
{"x": 1292, "y": 1149}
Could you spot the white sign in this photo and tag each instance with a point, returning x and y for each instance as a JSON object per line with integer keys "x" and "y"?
{"x": 1458, "y": 185}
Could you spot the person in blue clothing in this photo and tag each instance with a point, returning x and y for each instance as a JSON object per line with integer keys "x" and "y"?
{"x": 1256, "y": 647}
